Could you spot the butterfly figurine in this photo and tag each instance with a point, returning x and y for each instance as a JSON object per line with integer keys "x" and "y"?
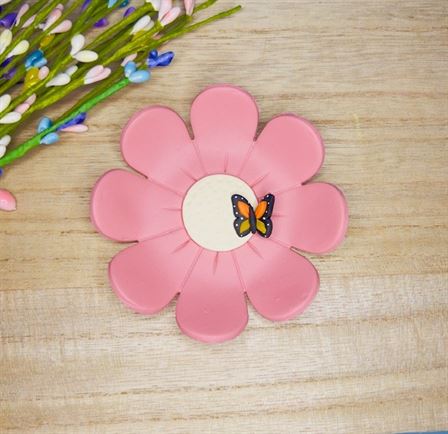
{"x": 249, "y": 220}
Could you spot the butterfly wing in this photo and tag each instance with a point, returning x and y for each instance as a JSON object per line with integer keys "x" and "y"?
{"x": 241, "y": 211}
{"x": 263, "y": 214}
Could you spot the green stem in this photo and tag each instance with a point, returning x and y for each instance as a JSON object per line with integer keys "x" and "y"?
{"x": 111, "y": 31}
{"x": 32, "y": 143}
{"x": 199, "y": 24}
{"x": 204, "y": 5}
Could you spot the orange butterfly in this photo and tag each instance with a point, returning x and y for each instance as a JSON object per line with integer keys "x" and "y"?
{"x": 247, "y": 220}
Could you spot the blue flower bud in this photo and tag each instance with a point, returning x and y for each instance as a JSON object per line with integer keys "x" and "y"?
{"x": 44, "y": 124}
{"x": 33, "y": 57}
{"x": 155, "y": 60}
{"x": 39, "y": 63}
{"x": 165, "y": 58}
{"x": 139, "y": 76}
{"x": 49, "y": 139}
{"x": 129, "y": 68}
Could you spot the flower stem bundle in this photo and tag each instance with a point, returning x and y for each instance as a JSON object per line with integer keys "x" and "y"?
{"x": 52, "y": 48}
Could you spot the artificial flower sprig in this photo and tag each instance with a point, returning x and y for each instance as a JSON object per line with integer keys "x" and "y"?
{"x": 46, "y": 53}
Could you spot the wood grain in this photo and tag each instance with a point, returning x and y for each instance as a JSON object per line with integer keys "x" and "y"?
{"x": 370, "y": 355}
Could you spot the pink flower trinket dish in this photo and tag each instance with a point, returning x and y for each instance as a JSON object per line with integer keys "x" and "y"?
{"x": 215, "y": 217}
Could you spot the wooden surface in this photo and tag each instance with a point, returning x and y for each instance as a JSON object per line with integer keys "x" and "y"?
{"x": 368, "y": 356}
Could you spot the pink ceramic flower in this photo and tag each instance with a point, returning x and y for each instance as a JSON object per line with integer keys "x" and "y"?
{"x": 194, "y": 238}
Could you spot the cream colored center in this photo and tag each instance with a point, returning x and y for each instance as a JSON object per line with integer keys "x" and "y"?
{"x": 208, "y": 213}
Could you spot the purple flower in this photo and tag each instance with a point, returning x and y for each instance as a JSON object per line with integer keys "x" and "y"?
{"x": 6, "y": 62}
{"x": 9, "y": 74}
{"x": 78, "y": 119}
{"x": 128, "y": 11}
{"x": 85, "y": 5}
{"x": 164, "y": 59}
{"x": 8, "y": 20}
{"x": 101, "y": 23}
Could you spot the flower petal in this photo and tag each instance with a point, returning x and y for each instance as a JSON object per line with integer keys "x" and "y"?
{"x": 10, "y": 118}
{"x": 5, "y": 100}
{"x": 86, "y": 56}
{"x": 7, "y": 200}
{"x": 140, "y": 24}
{"x": 212, "y": 305}
{"x": 156, "y": 143}
{"x": 189, "y": 6}
{"x": 65, "y": 26}
{"x": 76, "y": 129}
{"x": 94, "y": 71}
{"x": 5, "y": 140}
{"x": 43, "y": 72}
{"x": 77, "y": 42}
{"x": 288, "y": 152}
{"x": 312, "y": 217}
{"x": 165, "y": 6}
{"x": 147, "y": 275}
{"x": 128, "y": 207}
{"x": 279, "y": 283}
{"x": 224, "y": 121}
{"x": 20, "y": 48}
{"x": 170, "y": 16}
{"x": 60, "y": 79}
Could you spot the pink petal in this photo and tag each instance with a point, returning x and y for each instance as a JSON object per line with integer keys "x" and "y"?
{"x": 29, "y": 21}
{"x": 22, "y": 11}
{"x": 80, "y": 128}
{"x": 43, "y": 72}
{"x": 127, "y": 207}
{"x": 129, "y": 58}
{"x": 156, "y": 143}
{"x": 165, "y": 6}
{"x": 224, "y": 121}
{"x": 170, "y": 16}
{"x": 7, "y": 201}
{"x": 189, "y": 6}
{"x": 104, "y": 74}
{"x": 96, "y": 70}
{"x": 212, "y": 306}
{"x": 31, "y": 99}
{"x": 279, "y": 283}
{"x": 288, "y": 152}
{"x": 22, "y": 108}
{"x": 148, "y": 275}
{"x": 53, "y": 16}
{"x": 312, "y": 217}
{"x": 101, "y": 76}
{"x": 65, "y": 26}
